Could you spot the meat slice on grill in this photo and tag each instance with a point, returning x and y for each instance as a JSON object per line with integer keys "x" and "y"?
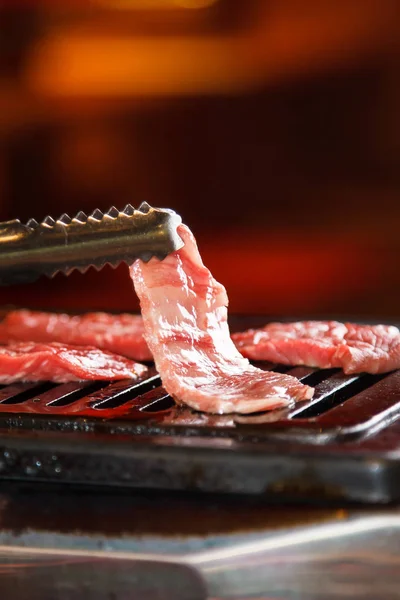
{"x": 121, "y": 334}
{"x": 29, "y": 361}
{"x": 184, "y": 311}
{"x": 324, "y": 344}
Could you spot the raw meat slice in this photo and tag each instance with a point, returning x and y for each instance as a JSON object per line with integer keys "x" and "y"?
{"x": 121, "y": 334}
{"x": 324, "y": 344}
{"x": 28, "y": 361}
{"x": 185, "y": 320}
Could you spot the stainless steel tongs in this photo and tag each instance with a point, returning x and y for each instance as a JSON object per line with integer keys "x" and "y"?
{"x": 30, "y": 250}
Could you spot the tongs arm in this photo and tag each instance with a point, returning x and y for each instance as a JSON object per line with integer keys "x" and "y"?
{"x": 30, "y": 250}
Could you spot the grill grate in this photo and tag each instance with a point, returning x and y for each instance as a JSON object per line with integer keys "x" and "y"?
{"x": 343, "y": 406}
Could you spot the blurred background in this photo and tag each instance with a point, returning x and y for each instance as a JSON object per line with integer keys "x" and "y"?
{"x": 271, "y": 126}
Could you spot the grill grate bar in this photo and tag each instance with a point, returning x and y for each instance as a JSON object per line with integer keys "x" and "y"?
{"x": 10, "y": 391}
{"x": 67, "y": 393}
{"x": 336, "y": 390}
{"x": 157, "y": 400}
{"x": 372, "y": 405}
{"x": 325, "y": 395}
{"x": 21, "y": 392}
{"x": 77, "y": 398}
{"x": 120, "y": 392}
{"x": 132, "y": 408}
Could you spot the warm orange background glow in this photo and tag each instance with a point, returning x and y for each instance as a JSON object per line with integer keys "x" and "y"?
{"x": 271, "y": 126}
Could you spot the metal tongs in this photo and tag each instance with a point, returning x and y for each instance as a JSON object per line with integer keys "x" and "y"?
{"x": 30, "y": 250}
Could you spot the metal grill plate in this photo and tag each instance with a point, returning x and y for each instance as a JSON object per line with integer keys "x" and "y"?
{"x": 132, "y": 434}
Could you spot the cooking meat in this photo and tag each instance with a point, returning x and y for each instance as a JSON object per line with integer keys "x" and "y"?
{"x": 28, "y": 361}
{"x": 185, "y": 319}
{"x": 121, "y": 334}
{"x": 324, "y": 344}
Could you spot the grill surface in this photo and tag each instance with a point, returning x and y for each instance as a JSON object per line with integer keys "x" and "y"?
{"x": 340, "y": 444}
{"x": 343, "y": 407}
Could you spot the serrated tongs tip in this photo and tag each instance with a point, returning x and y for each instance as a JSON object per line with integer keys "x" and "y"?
{"x": 82, "y": 241}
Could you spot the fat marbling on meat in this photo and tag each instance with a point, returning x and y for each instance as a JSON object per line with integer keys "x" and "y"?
{"x": 325, "y": 344}
{"x": 60, "y": 363}
{"x": 184, "y": 311}
{"x": 121, "y": 334}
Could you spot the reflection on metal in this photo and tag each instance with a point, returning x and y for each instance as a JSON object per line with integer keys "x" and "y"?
{"x": 354, "y": 558}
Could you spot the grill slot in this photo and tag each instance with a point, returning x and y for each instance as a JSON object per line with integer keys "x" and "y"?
{"x": 376, "y": 405}
{"x": 68, "y": 393}
{"x": 120, "y": 392}
{"x": 333, "y": 391}
{"x": 325, "y": 390}
{"x": 160, "y": 401}
{"x": 21, "y": 392}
